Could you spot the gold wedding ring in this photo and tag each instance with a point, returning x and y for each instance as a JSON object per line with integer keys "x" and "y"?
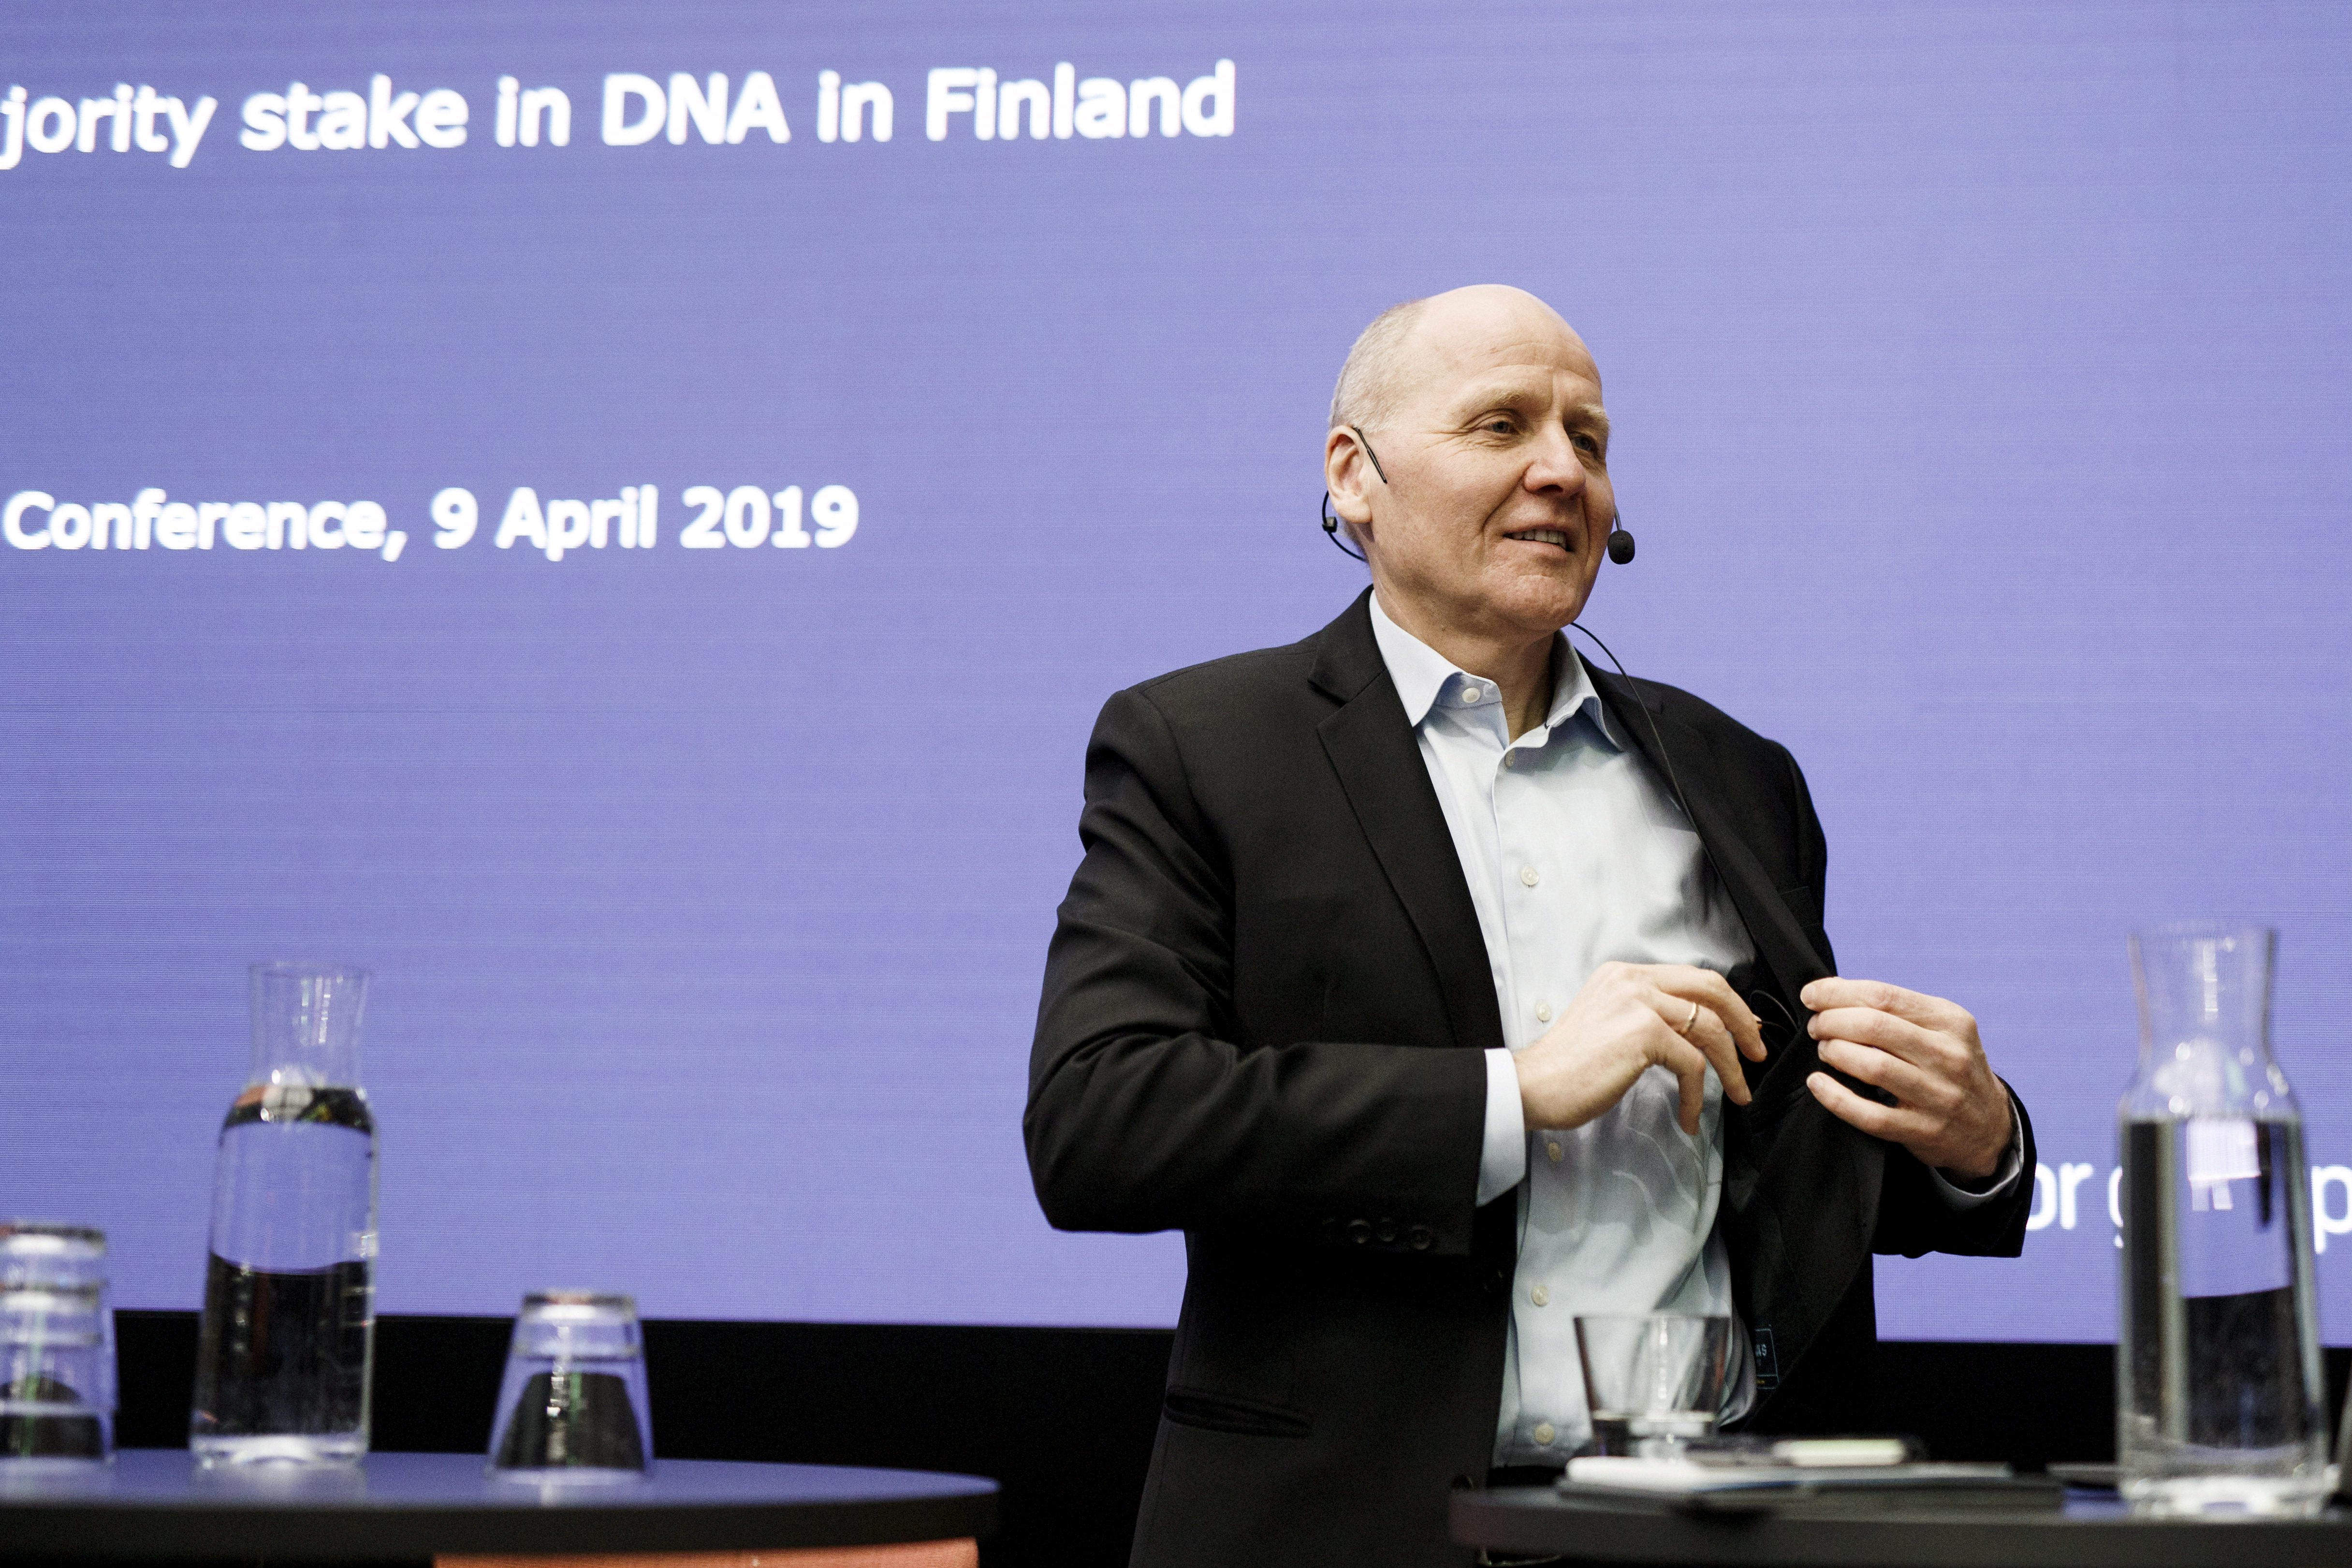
{"x": 1683, "y": 1028}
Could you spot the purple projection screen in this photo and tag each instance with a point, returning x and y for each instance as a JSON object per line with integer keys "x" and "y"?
{"x": 1979, "y": 374}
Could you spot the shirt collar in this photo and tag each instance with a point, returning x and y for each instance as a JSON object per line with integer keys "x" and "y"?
{"x": 1422, "y": 676}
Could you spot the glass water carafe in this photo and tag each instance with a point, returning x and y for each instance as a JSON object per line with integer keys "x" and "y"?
{"x": 2218, "y": 1398}
{"x": 288, "y": 1335}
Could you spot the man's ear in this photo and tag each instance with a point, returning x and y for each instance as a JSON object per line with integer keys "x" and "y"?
{"x": 1348, "y": 477}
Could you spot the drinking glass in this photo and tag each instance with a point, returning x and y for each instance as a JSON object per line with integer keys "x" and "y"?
{"x": 1652, "y": 1379}
{"x": 2219, "y": 1396}
{"x": 572, "y": 1405}
{"x": 56, "y": 1346}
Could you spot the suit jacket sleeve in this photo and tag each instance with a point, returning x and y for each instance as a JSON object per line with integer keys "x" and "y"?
{"x": 1150, "y": 1106}
{"x": 1913, "y": 1217}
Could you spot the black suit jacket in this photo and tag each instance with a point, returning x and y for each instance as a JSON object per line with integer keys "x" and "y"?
{"x": 1264, "y": 1010}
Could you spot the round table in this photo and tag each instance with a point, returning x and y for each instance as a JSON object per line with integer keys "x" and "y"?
{"x": 155, "y": 1503}
{"x": 2091, "y": 1530}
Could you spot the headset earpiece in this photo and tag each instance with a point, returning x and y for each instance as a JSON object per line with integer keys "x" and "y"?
{"x": 1331, "y": 526}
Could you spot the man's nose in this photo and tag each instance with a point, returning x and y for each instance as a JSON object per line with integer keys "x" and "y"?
{"x": 1555, "y": 468}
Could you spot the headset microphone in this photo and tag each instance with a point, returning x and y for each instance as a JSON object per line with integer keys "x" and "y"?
{"x": 1621, "y": 543}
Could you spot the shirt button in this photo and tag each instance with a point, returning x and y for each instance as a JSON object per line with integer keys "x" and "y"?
{"x": 1543, "y": 1012}
{"x": 1551, "y": 1147}
{"x": 1470, "y": 694}
{"x": 1510, "y": 759}
{"x": 1529, "y": 876}
{"x": 1540, "y": 1296}
{"x": 1545, "y": 1432}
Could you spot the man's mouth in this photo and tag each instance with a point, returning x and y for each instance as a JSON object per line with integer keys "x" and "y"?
{"x": 1544, "y": 536}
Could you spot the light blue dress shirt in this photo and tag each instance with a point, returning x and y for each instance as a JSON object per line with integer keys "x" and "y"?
{"x": 1576, "y": 857}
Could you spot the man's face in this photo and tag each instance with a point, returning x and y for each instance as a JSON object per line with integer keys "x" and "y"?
{"x": 1497, "y": 505}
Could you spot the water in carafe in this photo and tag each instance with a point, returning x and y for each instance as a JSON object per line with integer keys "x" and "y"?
{"x": 287, "y": 1339}
{"x": 2218, "y": 1397}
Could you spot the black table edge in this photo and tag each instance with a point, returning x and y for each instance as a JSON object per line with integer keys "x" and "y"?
{"x": 1540, "y": 1520}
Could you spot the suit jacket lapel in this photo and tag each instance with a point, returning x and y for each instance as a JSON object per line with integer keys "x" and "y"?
{"x": 1780, "y": 938}
{"x": 1379, "y": 762}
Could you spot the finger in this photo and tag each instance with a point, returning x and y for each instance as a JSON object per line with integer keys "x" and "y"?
{"x": 1689, "y": 1067}
{"x": 1879, "y": 1121}
{"x": 1929, "y": 1012}
{"x": 1917, "y": 1090}
{"x": 1887, "y": 1032}
{"x": 1712, "y": 1037}
{"x": 1704, "y": 1030}
{"x": 1711, "y": 990}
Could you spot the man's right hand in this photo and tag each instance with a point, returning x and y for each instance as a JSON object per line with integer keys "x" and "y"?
{"x": 1629, "y": 1018}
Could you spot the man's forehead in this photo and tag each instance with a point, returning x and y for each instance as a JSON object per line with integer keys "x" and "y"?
{"x": 1550, "y": 383}
{"x": 1522, "y": 348}
{"x": 1520, "y": 382}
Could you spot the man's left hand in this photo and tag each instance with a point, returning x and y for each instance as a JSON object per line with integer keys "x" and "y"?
{"x": 1949, "y": 1109}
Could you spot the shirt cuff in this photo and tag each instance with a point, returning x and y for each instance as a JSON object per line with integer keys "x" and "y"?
{"x": 2012, "y": 1163}
{"x": 1504, "y": 1164}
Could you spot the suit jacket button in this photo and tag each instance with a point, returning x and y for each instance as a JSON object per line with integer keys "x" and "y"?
{"x": 1388, "y": 1233}
{"x": 1421, "y": 1238}
{"x": 1359, "y": 1231}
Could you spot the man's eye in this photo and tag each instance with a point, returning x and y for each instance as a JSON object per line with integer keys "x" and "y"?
{"x": 1502, "y": 427}
{"x": 1586, "y": 444}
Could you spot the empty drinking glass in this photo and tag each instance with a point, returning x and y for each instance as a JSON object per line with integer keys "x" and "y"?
{"x": 56, "y": 1346}
{"x": 1652, "y": 1378}
{"x": 572, "y": 1405}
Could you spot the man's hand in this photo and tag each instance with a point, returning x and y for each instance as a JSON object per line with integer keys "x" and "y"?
{"x": 1629, "y": 1018}
{"x": 1949, "y": 1109}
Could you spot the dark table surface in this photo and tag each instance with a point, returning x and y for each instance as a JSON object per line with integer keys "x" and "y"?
{"x": 155, "y": 1503}
{"x": 2092, "y": 1530}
